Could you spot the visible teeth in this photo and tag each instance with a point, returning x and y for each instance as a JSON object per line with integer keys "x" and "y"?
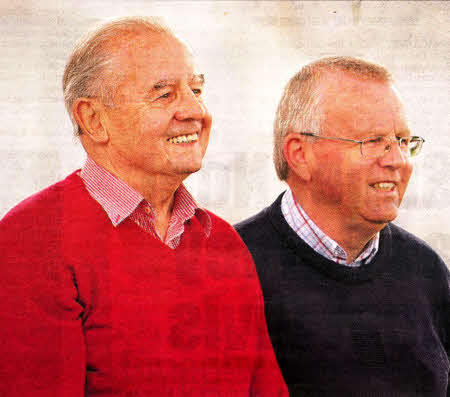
{"x": 184, "y": 138}
{"x": 384, "y": 185}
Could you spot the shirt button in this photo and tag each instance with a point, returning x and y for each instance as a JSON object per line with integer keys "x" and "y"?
{"x": 148, "y": 210}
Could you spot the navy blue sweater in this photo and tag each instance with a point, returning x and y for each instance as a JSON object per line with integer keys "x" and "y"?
{"x": 379, "y": 330}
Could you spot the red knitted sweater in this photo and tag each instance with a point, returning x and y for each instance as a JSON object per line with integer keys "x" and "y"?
{"x": 90, "y": 309}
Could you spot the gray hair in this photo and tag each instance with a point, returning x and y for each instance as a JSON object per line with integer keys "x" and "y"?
{"x": 299, "y": 109}
{"x": 88, "y": 71}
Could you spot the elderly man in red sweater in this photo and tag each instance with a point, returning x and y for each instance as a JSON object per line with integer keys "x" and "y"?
{"x": 113, "y": 281}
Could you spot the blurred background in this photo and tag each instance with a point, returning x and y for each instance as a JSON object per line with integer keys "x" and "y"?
{"x": 248, "y": 50}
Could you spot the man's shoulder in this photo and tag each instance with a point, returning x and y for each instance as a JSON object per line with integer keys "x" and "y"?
{"x": 408, "y": 245}
{"x": 220, "y": 226}
{"x": 401, "y": 237}
{"x": 225, "y": 244}
{"x": 257, "y": 224}
{"x": 253, "y": 225}
{"x": 45, "y": 203}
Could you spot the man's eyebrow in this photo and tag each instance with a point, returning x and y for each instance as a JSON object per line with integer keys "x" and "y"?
{"x": 198, "y": 79}
{"x": 162, "y": 83}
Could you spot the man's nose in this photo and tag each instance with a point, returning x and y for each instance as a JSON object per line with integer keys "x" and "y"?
{"x": 190, "y": 107}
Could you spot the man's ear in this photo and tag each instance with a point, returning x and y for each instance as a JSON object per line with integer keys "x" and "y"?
{"x": 294, "y": 150}
{"x": 88, "y": 114}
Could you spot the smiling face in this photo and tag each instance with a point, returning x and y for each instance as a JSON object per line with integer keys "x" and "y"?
{"x": 345, "y": 186}
{"x": 158, "y": 125}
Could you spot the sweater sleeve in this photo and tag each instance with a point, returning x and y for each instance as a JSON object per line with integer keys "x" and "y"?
{"x": 41, "y": 339}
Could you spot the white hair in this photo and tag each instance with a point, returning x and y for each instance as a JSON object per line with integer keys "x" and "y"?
{"x": 89, "y": 71}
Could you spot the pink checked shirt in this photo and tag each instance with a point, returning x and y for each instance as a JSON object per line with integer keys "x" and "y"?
{"x": 309, "y": 232}
{"x": 120, "y": 201}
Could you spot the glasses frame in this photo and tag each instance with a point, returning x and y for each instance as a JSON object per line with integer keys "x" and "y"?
{"x": 398, "y": 139}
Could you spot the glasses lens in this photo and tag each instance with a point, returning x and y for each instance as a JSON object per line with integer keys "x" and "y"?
{"x": 414, "y": 145}
{"x": 375, "y": 147}
{"x": 378, "y": 146}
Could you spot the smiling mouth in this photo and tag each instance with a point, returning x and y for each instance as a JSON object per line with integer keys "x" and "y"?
{"x": 384, "y": 186}
{"x": 183, "y": 138}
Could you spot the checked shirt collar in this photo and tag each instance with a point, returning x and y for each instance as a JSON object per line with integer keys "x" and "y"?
{"x": 120, "y": 201}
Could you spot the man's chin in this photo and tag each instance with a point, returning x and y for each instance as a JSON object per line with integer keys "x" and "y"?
{"x": 381, "y": 219}
{"x": 188, "y": 170}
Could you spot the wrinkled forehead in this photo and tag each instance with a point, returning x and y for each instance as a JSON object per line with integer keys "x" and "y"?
{"x": 149, "y": 55}
{"x": 143, "y": 62}
{"x": 141, "y": 45}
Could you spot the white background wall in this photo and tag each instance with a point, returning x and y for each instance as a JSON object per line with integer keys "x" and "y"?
{"x": 248, "y": 50}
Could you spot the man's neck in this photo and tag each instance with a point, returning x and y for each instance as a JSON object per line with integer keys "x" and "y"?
{"x": 162, "y": 198}
{"x": 352, "y": 236}
{"x": 158, "y": 191}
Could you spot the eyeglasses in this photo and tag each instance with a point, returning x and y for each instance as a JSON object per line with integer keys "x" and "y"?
{"x": 378, "y": 146}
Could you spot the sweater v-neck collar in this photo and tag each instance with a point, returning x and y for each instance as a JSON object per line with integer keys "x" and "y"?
{"x": 331, "y": 269}
{"x": 131, "y": 229}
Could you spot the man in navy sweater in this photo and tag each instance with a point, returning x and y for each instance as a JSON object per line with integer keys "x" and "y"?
{"x": 355, "y": 305}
